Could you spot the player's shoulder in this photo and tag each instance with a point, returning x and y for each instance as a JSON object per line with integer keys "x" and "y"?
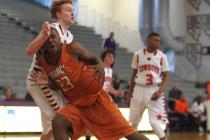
{"x": 55, "y": 28}
{"x": 58, "y": 27}
{"x": 55, "y": 25}
{"x": 65, "y": 36}
{"x": 139, "y": 51}
{"x": 159, "y": 52}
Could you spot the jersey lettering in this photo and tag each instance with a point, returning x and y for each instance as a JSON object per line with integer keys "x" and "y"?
{"x": 149, "y": 67}
{"x": 58, "y": 71}
{"x": 149, "y": 78}
{"x": 64, "y": 83}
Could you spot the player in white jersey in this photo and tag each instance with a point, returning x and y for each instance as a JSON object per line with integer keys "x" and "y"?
{"x": 148, "y": 82}
{"x": 49, "y": 101}
{"x": 108, "y": 57}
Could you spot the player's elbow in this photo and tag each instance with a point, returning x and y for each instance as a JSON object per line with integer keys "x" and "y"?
{"x": 28, "y": 51}
{"x": 165, "y": 76}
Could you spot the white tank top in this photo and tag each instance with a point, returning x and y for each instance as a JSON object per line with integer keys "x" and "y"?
{"x": 149, "y": 66}
{"x": 108, "y": 78}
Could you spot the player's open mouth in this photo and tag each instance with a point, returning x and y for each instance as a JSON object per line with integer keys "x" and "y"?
{"x": 72, "y": 18}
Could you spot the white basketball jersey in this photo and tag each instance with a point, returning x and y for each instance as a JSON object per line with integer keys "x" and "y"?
{"x": 149, "y": 66}
{"x": 53, "y": 99}
{"x": 108, "y": 78}
{"x": 65, "y": 36}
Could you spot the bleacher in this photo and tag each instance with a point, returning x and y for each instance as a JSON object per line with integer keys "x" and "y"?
{"x": 22, "y": 24}
{"x": 14, "y": 63}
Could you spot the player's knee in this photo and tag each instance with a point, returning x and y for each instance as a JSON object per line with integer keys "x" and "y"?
{"x": 57, "y": 122}
{"x": 153, "y": 123}
{"x": 60, "y": 123}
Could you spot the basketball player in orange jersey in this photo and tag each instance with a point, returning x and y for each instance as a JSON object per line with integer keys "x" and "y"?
{"x": 89, "y": 107}
{"x": 49, "y": 101}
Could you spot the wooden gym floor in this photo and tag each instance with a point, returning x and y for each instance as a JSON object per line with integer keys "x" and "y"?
{"x": 151, "y": 136}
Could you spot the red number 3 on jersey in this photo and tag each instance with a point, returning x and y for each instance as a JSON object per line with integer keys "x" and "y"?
{"x": 149, "y": 79}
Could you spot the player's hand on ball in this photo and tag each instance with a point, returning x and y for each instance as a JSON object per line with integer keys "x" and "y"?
{"x": 39, "y": 78}
{"x": 46, "y": 28}
{"x": 99, "y": 71}
{"x": 156, "y": 95}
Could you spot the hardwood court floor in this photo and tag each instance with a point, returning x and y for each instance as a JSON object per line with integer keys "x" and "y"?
{"x": 151, "y": 136}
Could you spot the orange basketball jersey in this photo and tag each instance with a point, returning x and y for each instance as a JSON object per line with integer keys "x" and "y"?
{"x": 74, "y": 79}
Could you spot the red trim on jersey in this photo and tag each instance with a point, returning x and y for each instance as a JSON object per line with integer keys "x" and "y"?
{"x": 46, "y": 90}
{"x": 47, "y": 93}
{"x": 56, "y": 109}
{"x": 51, "y": 100}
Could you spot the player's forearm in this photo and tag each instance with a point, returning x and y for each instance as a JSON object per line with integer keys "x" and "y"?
{"x": 132, "y": 81}
{"x": 95, "y": 61}
{"x": 164, "y": 83}
{"x": 113, "y": 91}
{"x": 37, "y": 43}
{"x": 132, "y": 84}
{"x": 86, "y": 56}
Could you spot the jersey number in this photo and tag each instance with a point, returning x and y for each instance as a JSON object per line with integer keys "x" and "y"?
{"x": 149, "y": 79}
{"x": 65, "y": 83}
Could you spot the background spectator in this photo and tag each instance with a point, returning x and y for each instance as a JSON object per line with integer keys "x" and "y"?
{"x": 174, "y": 94}
{"x": 181, "y": 110}
{"x": 198, "y": 112}
{"x": 181, "y": 105}
{"x": 8, "y": 93}
{"x": 108, "y": 58}
{"x": 110, "y": 43}
{"x": 116, "y": 82}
